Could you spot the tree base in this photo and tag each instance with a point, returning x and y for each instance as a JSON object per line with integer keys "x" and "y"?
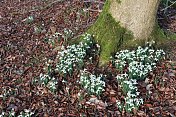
{"x": 108, "y": 34}
{"x": 111, "y": 36}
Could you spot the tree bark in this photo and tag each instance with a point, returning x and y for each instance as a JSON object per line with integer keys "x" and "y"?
{"x": 124, "y": 21}
{"x": 138, "y": 16}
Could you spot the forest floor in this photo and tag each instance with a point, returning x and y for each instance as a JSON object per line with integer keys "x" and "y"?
{"x": 26, "y": 44}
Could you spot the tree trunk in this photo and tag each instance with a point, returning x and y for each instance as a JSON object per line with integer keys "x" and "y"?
{"x": 124, "y": 22}
{"x": 138, "y": 16}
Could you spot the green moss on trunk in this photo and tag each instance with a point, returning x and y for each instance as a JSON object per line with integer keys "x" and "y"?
{"x": 109, "y": 34}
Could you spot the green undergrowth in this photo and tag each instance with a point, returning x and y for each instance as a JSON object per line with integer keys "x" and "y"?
{"x": 161, "y": 37}
{"x": 158, "y": 34}
{"x": 172, "y": 36}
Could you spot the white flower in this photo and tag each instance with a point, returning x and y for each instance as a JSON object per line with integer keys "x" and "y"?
{"x": 92, "y": 83}
{"x": 26, "y": 110}
{"x": 2, "y": 114}
{"x": 139, "y": 63}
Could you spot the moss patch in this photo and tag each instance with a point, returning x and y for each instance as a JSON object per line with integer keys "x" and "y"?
{"x": 172, "y": 36}
{"x": 161, "y": 37}
{"x": 118, "y": 1}
{"x": 132, "y": 44}
{"x": 109, "y": 34}
{"x": 158, "y": 34}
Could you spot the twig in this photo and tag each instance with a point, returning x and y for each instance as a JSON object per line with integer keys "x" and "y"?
{"x": 77, "y": 36}
{"x": 93, "y": 10}
{"x": 52, "y": 3}
{"x": 41, "y": 8}
{"x": 94, "y": 1}
{"x": 168, "y": 6}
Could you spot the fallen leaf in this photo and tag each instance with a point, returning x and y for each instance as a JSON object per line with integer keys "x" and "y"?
{"x": 53, "y": 29}
{"x": 93, "y": 100}
{"x": 56, "y": 49}
{"x": 112, "y": 92}
{"x": 172, "y": 115}
{"x": 163, "y": 89}
{"x": 113, "y": 100}
{"x": 172, "y": 74}
{"x": 148, "y": 105}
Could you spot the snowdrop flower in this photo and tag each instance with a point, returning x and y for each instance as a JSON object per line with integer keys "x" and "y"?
{"x": 26, "y": 113}
{"x": 92, "y": 83}
{"x": 2, "y": 114}
{"x": 73, "y": 55}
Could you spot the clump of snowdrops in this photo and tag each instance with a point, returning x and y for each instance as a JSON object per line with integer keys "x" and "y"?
{"x": 92, "y": 83}
{"x": 69, "y": 58}
{"x": 138, "y": 64}
{"x": 72, "y": 56}
{"x": 24, "y": 113}
{"x": 49, "y": 82}
{"x": 130, "y": 90}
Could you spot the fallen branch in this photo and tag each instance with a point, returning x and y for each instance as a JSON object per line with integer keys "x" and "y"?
{"x": 168, "y": 6}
